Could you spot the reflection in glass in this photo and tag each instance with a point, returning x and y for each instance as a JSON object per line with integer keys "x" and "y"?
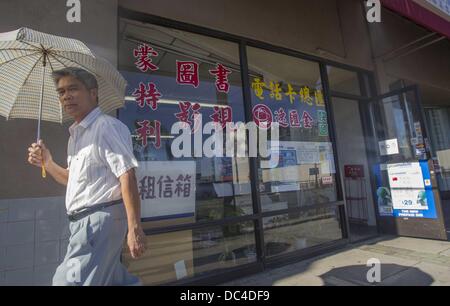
{"x": 290, "y": 92}
{"x": 399, "y": 121}
{"x": 344, "y": 81}
{"x": 219, "y": 186}
{"x": 174, "y": 256}
{"x": 291, "y": 232}
{"x": 439, "y": 127}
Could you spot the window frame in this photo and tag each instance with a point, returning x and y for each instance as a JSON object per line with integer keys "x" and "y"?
{"x": 257, "y": 217}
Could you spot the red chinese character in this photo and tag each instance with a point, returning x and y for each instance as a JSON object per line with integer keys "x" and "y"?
{"x": 222, "y": 115}
{"x": 145, "y": 131}
{"x": 149, "y": 97}
{"x": 280, "y": 117}
{"x": 144, "y": 63}
{"x": 262, "y": 115}
{"x": 185, "y": 115}
{"x": 294, "y": 118}
{"x": 157, "y": 134}
{"x": 307, "y": 120}
{"x": 187, "y": 73}
{"x": 221, "y": 74}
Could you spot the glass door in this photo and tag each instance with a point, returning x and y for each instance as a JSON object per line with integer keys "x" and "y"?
{"x": 406, "y": 192}
{"x": 354, "y": 168}
{"x": 438, "y": 120}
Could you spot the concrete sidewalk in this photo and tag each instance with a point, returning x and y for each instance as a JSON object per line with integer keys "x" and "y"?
{"x": 404, "y": 262}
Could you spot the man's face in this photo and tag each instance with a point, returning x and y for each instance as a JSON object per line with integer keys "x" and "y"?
{"x": 76, "y": 100}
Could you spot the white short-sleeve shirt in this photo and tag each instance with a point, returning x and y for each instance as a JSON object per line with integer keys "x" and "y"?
{"x": 99, "y": 151}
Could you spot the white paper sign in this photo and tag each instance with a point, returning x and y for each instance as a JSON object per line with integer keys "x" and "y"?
{"x": 307, "y": 153}
{"x": 327, "y": 180}
{"x": 286, "y": 187}
{"x": 227, "y": 189}
{"x": 388, "y": 147}
{"x": 167, "y": 189}
{"x": 180, "y": 269}
{"x": 407, "y": 186}
{"x": 418, "y": 129}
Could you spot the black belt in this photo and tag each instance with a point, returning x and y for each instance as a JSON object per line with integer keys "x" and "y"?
{"x": 78, "y": 215}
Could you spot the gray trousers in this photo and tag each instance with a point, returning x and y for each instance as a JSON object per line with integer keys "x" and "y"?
{"x": 94, "y": 251}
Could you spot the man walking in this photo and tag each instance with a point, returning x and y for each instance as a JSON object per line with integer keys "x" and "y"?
{"x": 102, "y": 198}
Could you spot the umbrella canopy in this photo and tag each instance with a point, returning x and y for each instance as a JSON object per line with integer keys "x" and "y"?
{"x": 27, "y": 90}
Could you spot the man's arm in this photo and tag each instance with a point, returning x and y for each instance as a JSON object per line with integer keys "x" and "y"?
{"x": 130, "y": 195}
{"x": 59, "y": 174}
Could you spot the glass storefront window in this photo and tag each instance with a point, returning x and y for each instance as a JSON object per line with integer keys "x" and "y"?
{"x": 400, "y": 122}
{"x": 289, "y": 91}
{"x": 173, "y": 76}
{"x": 343, "y": 81}
{"x": 438, "y": 120}
{"x": 184, "y": 254}
{"x": 292, "y": 232}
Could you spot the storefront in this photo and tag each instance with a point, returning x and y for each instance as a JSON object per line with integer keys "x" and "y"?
{"x": 352, "y": 163}
{"x": 355, "y": 125}
{"x": 215, "y": 218}
{"x": 412, "y": 66}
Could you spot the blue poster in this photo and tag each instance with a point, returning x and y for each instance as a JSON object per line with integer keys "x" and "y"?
{"x": 383, "y": 194}
{"x": 406, "y": 190}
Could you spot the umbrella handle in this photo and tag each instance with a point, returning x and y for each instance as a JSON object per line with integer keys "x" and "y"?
{"x": 43, "y": 172}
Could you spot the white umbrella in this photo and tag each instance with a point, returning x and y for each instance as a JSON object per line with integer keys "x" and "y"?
{"x": 27, "y": 90}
